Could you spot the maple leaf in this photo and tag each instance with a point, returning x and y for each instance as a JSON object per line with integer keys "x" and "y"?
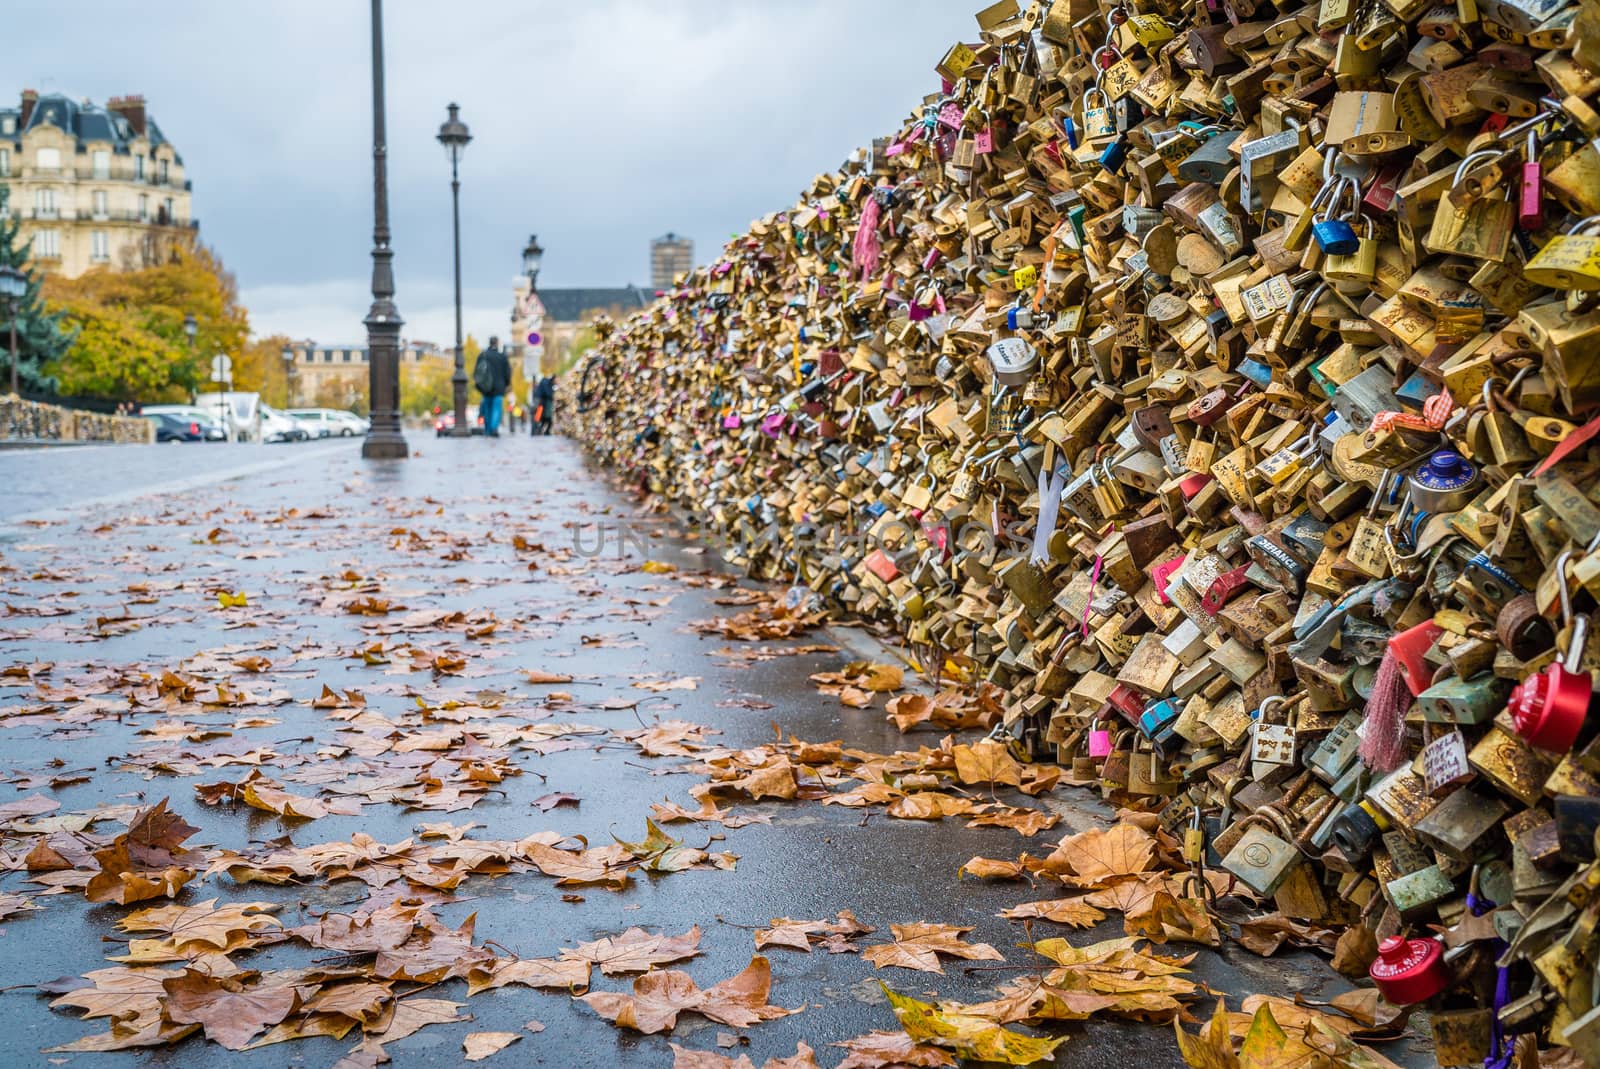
{"x": 988, "y": 868}
{"x": 1025, "y": 822}
{"x": 203, "y": 923}
{"x": 536, "y": 675}
{"x": 683, "y": 1058}
{"x": 799, "y": 935}
{"x": 1267, "y": 1046}
{"x": 479, "y": 1045}
{"x": 1212, "y": 1046}
{"x": 231, "y": 1009}
{"x": 1099, "y": 855}
{"x": 568, "y": 974}
{"x": 432, "y": 953}
{"x": 660, "y": 852}
{"x": 918, "y": 946}
{"x": 682, "y": 683}
{"x": 659, "y": 997}
{"x": 577, "y": 868}
{"x": 1070, "y": 911}
{"x": 967, "y": 1036}
{"x": 362, "y": 1001}
{"x": 930, "y": 805}
{"x": 892, "y": 1050}
{"x": 1266, "y": 934}
{"x": 1170, "y": 917}
{"x": 636, "y": 950}
{"x": 146, "y": 861}
{"x": 987, "y": 761}
{"x": 549, "y": 801}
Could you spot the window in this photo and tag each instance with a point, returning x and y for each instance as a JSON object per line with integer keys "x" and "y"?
{"x": 138, "y": 168}
{"x": 101, "y": 210}
{"x": 47, "y": 245}
{"x": 166, "y": 210}
{"x": 347, "y": 356}
{"x": 8, "y": 125}
{"x": 5, "y": 163}
{"x": 102, "y": 163}
{"x": 100, "y": 247}
{"x": 327, "y": 357}
{"x": 44, "y": 203}
{"x": 311, "y": 356}
{"x": 144, "y": 207}
{"x": 163, "y": 175}
{"x": 48, "y": 159}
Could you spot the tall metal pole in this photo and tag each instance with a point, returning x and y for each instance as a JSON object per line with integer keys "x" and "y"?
{"x": 458, "y": 381}
{"x": 385, "y": 440}
{"x": 11, "y": 316}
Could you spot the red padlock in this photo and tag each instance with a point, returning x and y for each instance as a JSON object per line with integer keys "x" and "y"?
{"x": 1409, "y": 971}
{"x": 1548, "y": 709}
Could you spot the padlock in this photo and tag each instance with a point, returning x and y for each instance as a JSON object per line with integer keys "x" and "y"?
{"x": 1272, "y": 744}
{"x": 1569, "y": 261}
{"x": 1099, "y": 740}
{"x": 1409, "y": 971}
{"x": 1335, "y": 236}
{"x": 1549, "y": 708}
{"x": 1194, "y": 839}
{"x": 1359, "y": 266}
{"x": 1261, "y": 859}
{"x": 1446, "y": 483}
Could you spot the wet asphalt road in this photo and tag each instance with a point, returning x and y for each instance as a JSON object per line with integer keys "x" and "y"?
{"x": 811, "y": 862}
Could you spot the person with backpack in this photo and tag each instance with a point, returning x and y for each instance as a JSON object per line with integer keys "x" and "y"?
{"x": 544, "y": 405}
{"x": 492, "y": 376}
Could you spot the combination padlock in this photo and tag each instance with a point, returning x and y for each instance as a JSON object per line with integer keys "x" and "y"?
{"x": 1446, "y": 483}
{"x": 1409, "y": 971}
{"x": 1549, "y": 708}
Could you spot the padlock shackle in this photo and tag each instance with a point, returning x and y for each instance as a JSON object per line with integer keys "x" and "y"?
{"x": 1479, "y": 156}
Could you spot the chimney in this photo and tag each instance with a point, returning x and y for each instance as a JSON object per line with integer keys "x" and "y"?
{"x": 30, "y": 97}
{"x": 130, "y": 108}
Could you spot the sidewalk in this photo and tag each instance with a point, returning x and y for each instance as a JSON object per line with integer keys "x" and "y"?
{"x": 503, "y": 532}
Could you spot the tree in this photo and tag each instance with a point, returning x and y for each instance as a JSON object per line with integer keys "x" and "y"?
{"x": 114, "y": 356}
{"x": 260, "y": 368}
{"x": 155, "y": 300}
{"x": 41, "y": 337}
{"x": 429, "y": 386}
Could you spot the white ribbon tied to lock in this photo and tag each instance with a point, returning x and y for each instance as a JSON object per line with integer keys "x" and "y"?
{"x": 1050, "y": 486}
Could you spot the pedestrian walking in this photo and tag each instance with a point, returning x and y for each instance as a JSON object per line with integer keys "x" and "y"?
{"x": 544, "y": 405}
{"x": 492, "y": 376}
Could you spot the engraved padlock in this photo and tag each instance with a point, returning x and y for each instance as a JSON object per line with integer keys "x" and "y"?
{"x": 1272, "y": 744}
{"x": 1569, "y": 261}
{"x": 1260, "y": 859}
{"x": 1549, "y": 708}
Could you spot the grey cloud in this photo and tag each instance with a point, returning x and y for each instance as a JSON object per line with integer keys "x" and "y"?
{"x": 597, "y": 125}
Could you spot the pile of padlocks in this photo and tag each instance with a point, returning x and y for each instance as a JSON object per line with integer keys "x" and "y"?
{"x": 1213, "y": 376}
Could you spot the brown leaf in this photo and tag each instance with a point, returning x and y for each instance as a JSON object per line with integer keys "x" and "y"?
{"x": 799, "y": 935}
{"x": 918, "y": 946}
{"x": 892, "y": 1050}
{"x": 479, "y": 1045}
{"x": 204, "y": 923}
{"x": 987, "y": 761}
{"x": 659, "y": 997}
{"x": 1070, "y": 911}
{"x": 636, "y": 950}
{"x": 231, "y": 1009}
{"x": 566, "y": 974}
{"x": 547, "y": 802}
{"x": 988, "y": 868}
{"x": 1099, "y": 855}
{"x": 146, "y": 861}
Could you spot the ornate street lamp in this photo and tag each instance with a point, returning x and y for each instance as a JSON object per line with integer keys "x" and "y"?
{"x": 454, "y": 136}
{"x": 532, "y": 254}
{"x": 190, "y": 329}
{"x": 13, "y": 286}
{"x": 385, "y": 440}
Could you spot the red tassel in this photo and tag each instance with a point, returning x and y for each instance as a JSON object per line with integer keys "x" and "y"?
{"x": 1383, "y": 730}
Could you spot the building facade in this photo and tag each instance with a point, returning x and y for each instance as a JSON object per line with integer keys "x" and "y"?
{"x": 336, "y": 375}
{"x": 559, "y": 315}
{"x": 670, "y": 256}
{"x": 92, "y": 186}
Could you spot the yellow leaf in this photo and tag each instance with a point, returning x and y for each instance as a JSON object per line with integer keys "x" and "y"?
{"x": 1212, "y": 1048}
{"x": 975, "y": 1038}
{"x": 226, "y": 600}
{"x": 656, "y": 567}
{"x": 1268, "y": 1046}
{"x": 986, "y": 761}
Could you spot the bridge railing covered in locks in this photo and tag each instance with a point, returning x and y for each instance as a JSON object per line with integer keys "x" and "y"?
{"x": 22, "y": 420}
{"x": 1176, "y": 357}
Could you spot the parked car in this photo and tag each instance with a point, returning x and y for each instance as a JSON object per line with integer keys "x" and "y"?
{"x": 211, "y": 427}
{"x": 170, "y": 428}
{"x": 278, "y": 427}
{"x": 330, "y": 422}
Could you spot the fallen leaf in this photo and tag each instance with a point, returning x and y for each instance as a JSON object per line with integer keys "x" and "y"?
{"x": 892, "y": 1050}
{"x": 480, "y": 1045}
{"x": 636, "y": 950}
{"x": 966, "y": 1036}
{"x": 918, "y": 946}
{"x": 1070, "y": 911}
{"x": 659, "y": 997}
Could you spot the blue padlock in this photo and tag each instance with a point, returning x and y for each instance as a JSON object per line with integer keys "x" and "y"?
{"x": 1071, "y": 130}
{"x": 1335, "y": 237}
{"x": 1111, "y": 159}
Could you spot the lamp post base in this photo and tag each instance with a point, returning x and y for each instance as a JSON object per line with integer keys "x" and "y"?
{"x": 460, "y": 432}
{"x": 382, "y": 446}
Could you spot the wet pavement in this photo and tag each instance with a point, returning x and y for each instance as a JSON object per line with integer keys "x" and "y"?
{"x": 138, "y": 577}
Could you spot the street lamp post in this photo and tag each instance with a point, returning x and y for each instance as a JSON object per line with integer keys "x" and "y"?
{"x": 13, "y": 285}
{"x": 532, "y": 255}
{"x": 385, "y": 440}
{"x": 190, "y": 329}
{"x": 454, "y": 136}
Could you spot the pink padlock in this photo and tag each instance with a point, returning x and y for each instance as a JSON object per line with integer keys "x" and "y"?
{"x": 1099, "y": 740}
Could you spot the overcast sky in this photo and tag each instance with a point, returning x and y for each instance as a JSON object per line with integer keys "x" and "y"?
{"x": 597, "y": 125}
